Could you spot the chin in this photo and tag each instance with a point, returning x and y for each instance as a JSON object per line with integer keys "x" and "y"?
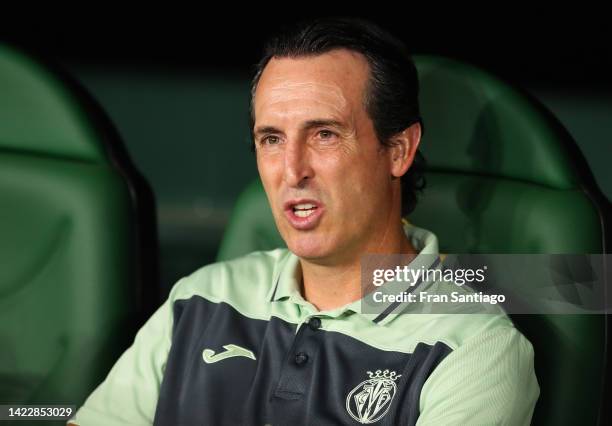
{"x": 308, "y": 248}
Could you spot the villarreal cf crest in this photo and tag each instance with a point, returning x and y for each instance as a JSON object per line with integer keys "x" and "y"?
{"x": 370, "y": 400}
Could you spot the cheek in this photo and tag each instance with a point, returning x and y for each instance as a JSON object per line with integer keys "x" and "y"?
{"x": 271, "y": 176}
{"x": 359, "y": 184}
{"x": 269, "y": 168}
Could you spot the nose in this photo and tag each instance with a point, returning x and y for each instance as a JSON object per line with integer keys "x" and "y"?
{"x": 298, "y": 167}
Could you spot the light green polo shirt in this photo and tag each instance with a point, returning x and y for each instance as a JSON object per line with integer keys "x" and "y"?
{"x": 236, "y": 343}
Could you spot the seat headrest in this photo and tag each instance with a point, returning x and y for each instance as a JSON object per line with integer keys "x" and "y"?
{"x": 39, "y": 114}
{"x": 475, "y": 123}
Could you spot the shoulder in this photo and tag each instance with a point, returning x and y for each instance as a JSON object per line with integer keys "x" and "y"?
{"x": 239, "y": 282}
{"x": 490, "y": 363}
{"x": 448, "y": 313}
{"x": 453, "y": 330}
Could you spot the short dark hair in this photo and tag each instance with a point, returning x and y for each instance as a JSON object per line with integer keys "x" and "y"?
{"x": 392, "y": 92}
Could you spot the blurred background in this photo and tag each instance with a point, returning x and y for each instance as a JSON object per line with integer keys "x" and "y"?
{"x": 177, "y": 89}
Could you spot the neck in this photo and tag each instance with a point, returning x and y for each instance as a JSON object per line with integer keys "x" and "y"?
{"x": 328, "y": 286}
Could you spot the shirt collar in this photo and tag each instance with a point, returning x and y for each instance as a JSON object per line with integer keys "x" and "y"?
{"x": 288, "y": 277}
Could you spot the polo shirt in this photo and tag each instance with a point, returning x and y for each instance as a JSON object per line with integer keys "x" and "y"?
{"x": 235, "y": 343}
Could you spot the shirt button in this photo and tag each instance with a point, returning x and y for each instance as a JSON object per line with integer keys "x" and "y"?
{"x": 301, "y": 358}
{"x": 314, "y": 323}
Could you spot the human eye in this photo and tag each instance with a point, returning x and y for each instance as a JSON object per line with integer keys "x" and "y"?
{"x": 326, "y": 135}
{"x": 270, "y": 140}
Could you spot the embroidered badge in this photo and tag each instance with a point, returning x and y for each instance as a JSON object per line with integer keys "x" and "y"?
{"x": 371, "y": 399}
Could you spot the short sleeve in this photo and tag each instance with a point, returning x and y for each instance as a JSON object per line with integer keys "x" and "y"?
{"x": 488, "y": 380}
{"x": 129, "y": 394}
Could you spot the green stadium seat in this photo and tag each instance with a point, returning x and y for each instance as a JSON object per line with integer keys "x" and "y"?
{"x": 78, "y": 238}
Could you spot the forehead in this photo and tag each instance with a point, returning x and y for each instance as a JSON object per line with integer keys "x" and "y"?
{"x": 334, "y": 80}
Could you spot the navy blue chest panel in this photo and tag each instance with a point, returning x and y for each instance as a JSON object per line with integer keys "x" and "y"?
{"x": 312, "y": 377}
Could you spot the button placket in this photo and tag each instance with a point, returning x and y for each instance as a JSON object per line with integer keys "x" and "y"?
{"x": 298, "y": 368}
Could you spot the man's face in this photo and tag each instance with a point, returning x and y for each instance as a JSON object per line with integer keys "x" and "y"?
{"x": 325, "y": 173}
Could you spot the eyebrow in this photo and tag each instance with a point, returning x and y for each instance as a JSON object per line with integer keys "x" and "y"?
{"x": 310, "y": 124}
{"x": 266, "y": 129}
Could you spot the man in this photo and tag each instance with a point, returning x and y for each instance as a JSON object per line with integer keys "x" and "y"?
{"x": 279, "y": 337}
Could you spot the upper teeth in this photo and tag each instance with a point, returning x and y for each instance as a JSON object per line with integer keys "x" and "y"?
{"x": 305, "y": 206}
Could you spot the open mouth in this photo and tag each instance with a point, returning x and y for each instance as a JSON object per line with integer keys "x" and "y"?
{"x": 304, "y": 214}
{"x": 304, "y": 210}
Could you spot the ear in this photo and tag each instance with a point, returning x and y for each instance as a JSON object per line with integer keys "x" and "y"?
{"x": 404, "y": 148}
